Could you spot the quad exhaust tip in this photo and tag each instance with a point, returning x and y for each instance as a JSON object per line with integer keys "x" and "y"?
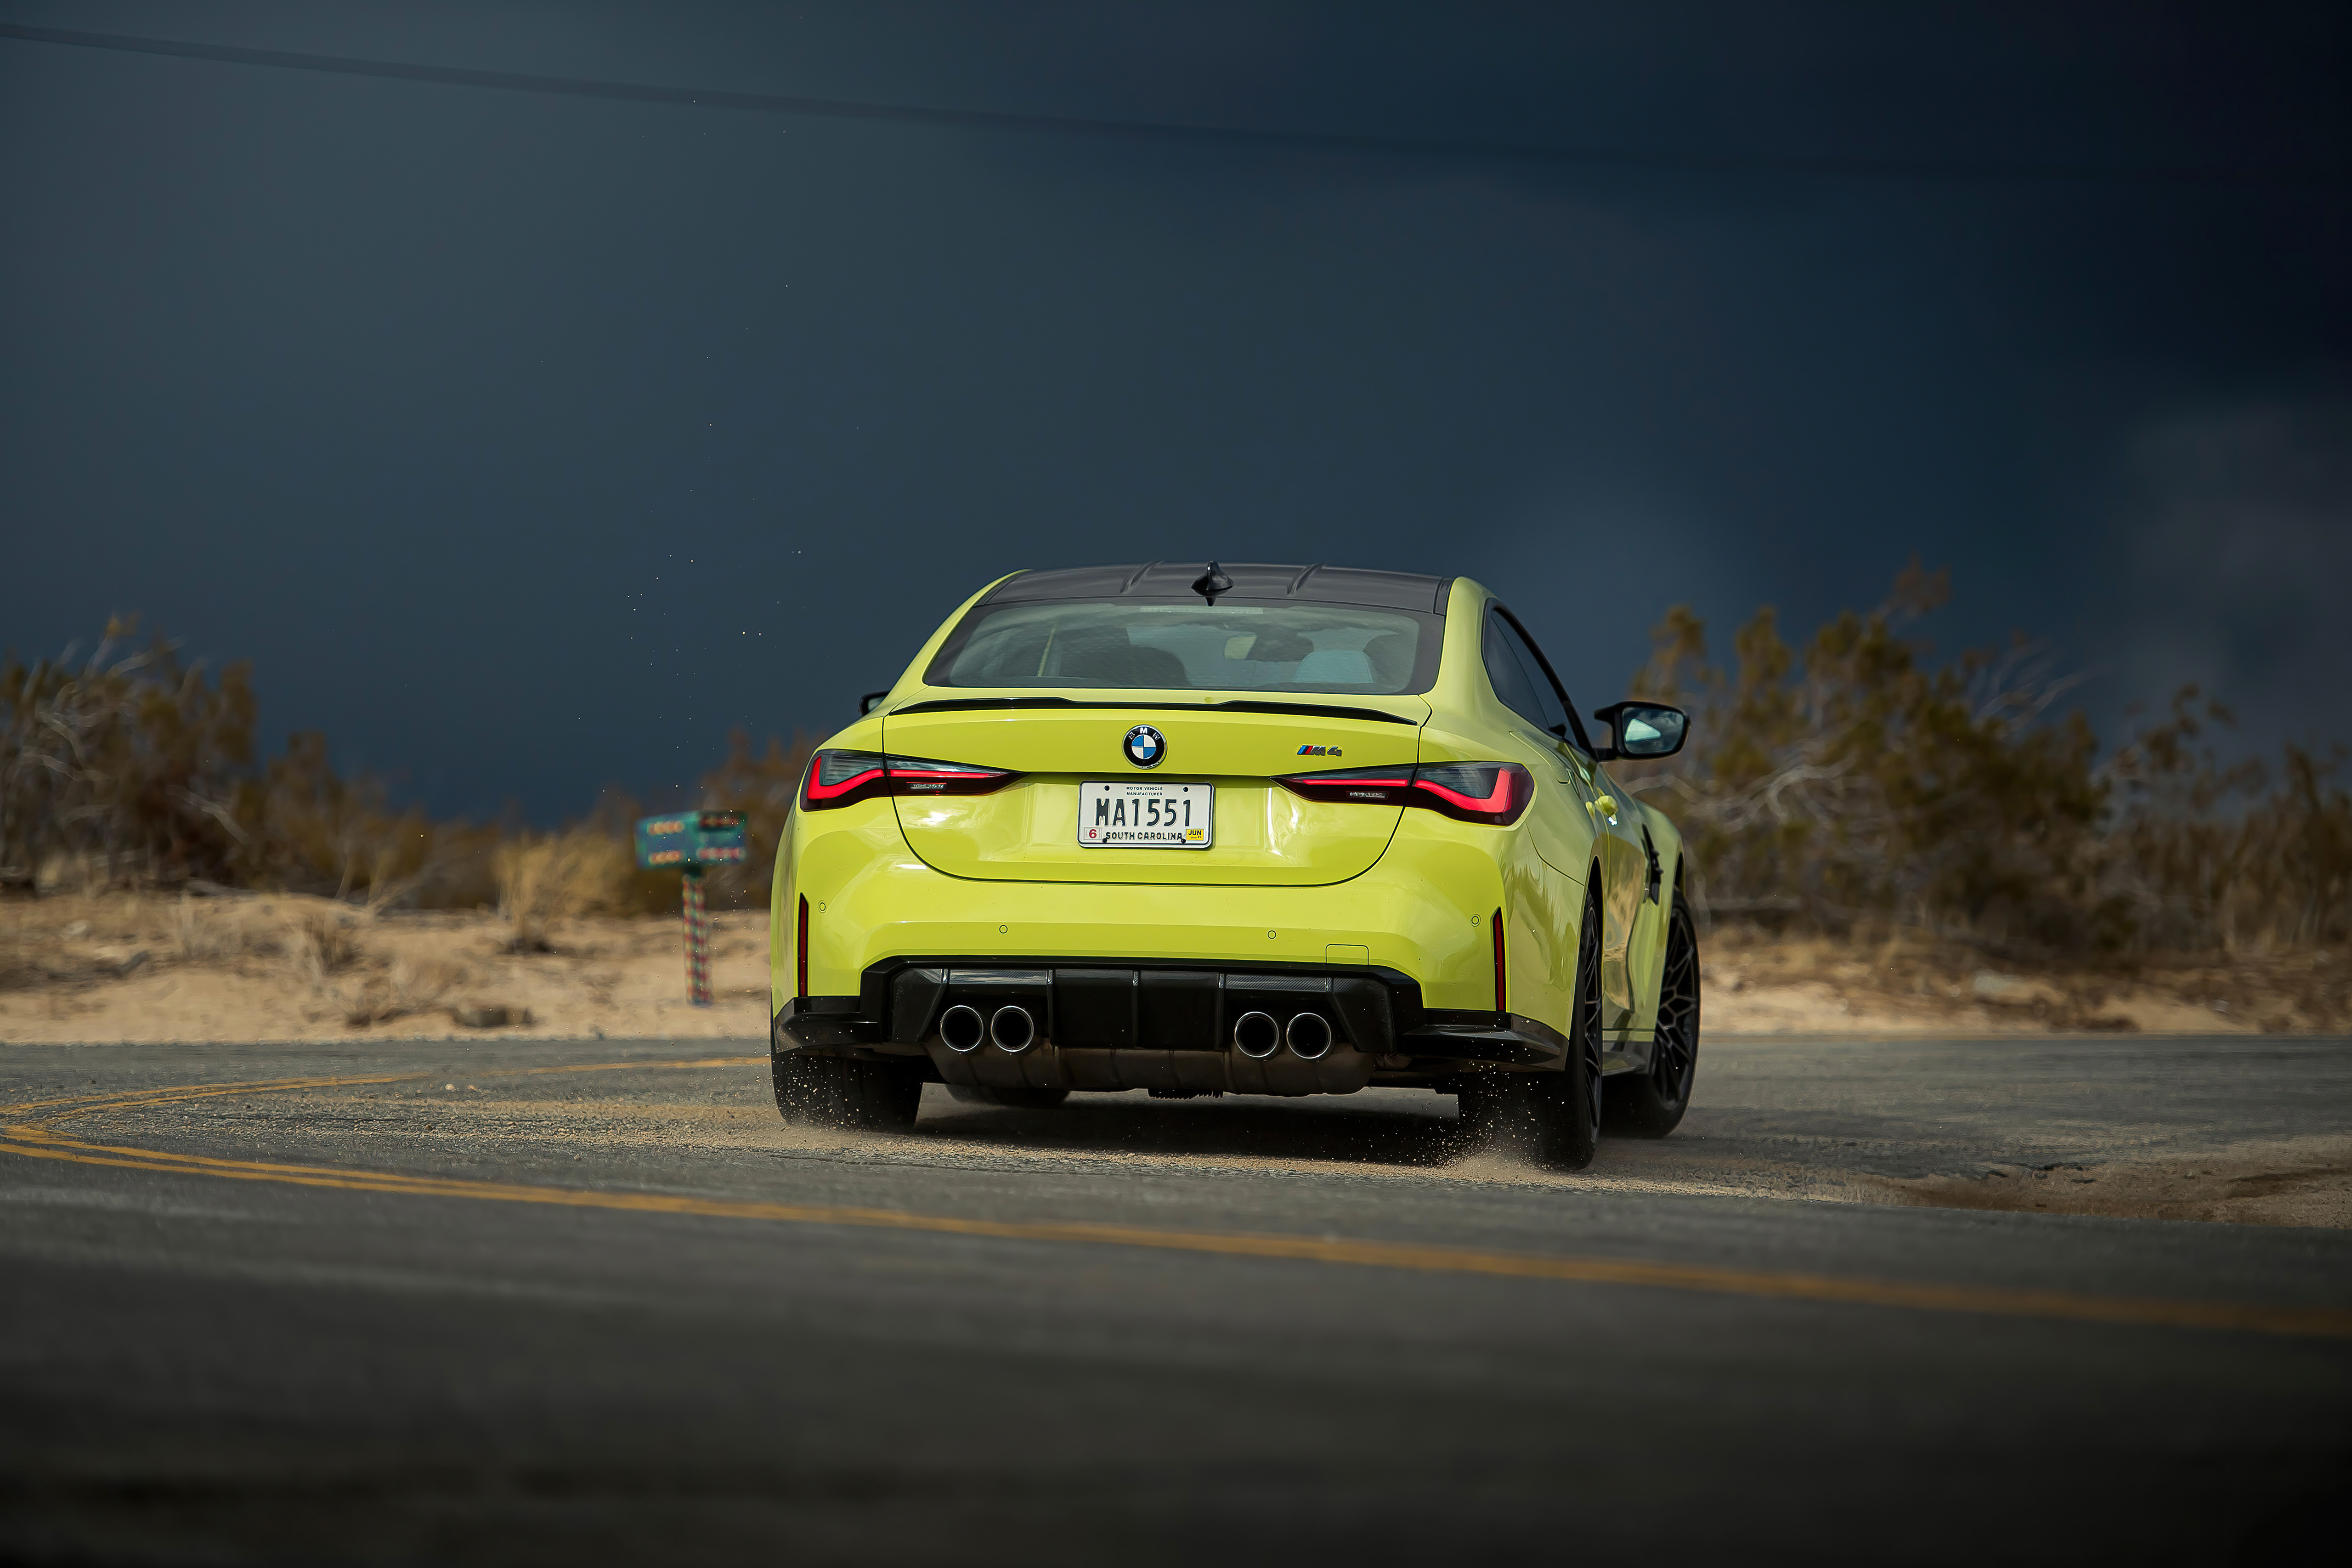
{"x": 1013, "y": 1029}
{"x": 1256, "y": 1036}
{"x": 1310, "y": 1035}
{"x": 962, "y": 1029}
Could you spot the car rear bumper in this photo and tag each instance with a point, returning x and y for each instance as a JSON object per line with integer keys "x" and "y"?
{"x": 1092, "y": 1023}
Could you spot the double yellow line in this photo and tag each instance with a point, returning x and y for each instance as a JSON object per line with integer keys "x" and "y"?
{"x": 40, "y": 1139}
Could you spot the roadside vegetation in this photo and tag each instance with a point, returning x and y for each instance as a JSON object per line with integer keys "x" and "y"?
{"x": 1957, "y": 821}
{"x": 1944, "y": 831}
{"x": 128, "y": 768}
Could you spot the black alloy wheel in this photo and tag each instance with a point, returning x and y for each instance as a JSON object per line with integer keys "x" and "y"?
{"x": 1651, "y": 1104}
{"x": 1576, "y": 1135}
{"x": 842, "y": 1093}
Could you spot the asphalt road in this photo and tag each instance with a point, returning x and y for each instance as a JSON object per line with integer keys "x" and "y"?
{"x": 525, "y": 1302}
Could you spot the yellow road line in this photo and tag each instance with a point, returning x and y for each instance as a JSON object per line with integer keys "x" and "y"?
{"x": 41, "y": 1141}
{"x": 84, "y": 1103}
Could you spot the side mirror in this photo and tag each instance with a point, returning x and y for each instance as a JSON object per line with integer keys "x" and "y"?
{"x": 870, "y": 701}
{"x": 1643, "y": 731}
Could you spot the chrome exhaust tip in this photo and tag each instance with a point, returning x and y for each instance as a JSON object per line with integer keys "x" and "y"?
{"x": 962, "y": 1029}
{"x": 1310, "y": 1035}
{"x": 1013, "y": 1029}
{"x": 1256, "y": 1036}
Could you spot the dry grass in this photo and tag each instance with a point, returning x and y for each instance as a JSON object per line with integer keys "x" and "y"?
{"x": 543, "y": 882}
{"x": 126, "y": 966}
{"x": 1921, "y": 983}
{"x": 411, "y": 986}
{"x": 323, "y": 942}
{"x": 196, "y": 940}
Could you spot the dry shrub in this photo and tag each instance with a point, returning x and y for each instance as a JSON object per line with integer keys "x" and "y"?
{"x": 419, "y": 984}
{"x": 412, "y": 985}
{"x": 763, "y": 789}
{"x": 18, "y": 966}
{"x": 544, "y": 881}
{"x": 2215, "y": 857}
{"x": 312, "y": 829}
{"x": 224, "y": 928}
{"x": 322, "y": 943}
{"x": 202, "y": 932}
{"x": 1859, "y": 784}
{"x": 194, "y": 936}
{"x": 129, "y": 767}
{"x": 128, "y": 762}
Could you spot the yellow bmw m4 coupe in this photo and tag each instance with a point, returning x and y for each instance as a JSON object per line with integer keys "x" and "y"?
{"x": 1248, "y": 829}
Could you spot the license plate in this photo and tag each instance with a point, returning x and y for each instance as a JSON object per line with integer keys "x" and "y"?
{"x": 1144, "y": 814}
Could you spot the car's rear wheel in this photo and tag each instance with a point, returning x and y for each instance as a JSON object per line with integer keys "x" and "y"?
{"x": 1013, "y": 1099}
{"x": 1651, "y": 1104}
{"x": 838, "y": 1092}
{"x": 1553, "y": 1117}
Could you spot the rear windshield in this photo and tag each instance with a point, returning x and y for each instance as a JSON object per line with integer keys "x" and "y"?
{"x": 1234, "y": 646}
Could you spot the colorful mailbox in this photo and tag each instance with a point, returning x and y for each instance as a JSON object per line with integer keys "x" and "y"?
{"x": 689, "y": 840}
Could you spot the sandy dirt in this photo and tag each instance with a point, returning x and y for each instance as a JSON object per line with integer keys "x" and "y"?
{"x": 2304, "y": 1182}
{"x": 1380, "y": 1133}
{"x": 243, "y": 967}
{"x": 232, "y": 968}
{"x": 1756, "y": 985}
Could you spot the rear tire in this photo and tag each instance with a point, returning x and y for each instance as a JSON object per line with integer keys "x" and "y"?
{"x": 1651, "y": 1104}
{"x": 842, "y": 1093}
{"x": 1553, "y": 1117}
{"x": 1012, "y": 1098}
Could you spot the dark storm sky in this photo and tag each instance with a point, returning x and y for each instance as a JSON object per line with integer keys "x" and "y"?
{"x": 526, "y": 443}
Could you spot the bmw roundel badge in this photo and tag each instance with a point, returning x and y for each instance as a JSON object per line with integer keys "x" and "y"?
{"x": 1145, "y": 746}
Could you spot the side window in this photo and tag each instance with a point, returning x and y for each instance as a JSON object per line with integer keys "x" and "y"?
{"x": 1518, "y": 678}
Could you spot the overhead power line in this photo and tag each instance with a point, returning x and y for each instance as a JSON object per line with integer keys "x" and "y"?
{"x": 1962, "y": 170}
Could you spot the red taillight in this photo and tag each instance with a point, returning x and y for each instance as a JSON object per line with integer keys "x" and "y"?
{"x": 1495, "y": 793}
{"x": 1476, "y": 792}
{"x": 1377, "y": 787}
{"x": 845, "y": 778}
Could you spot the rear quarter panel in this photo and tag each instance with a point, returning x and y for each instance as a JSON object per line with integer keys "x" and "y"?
{"x": 1540, "y": 861}
{"x": 1648, "y": 955}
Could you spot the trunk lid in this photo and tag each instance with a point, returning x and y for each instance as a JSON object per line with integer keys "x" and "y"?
{"x": 1262, "y": 832}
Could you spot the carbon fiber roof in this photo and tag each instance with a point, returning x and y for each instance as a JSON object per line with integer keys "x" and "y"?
{"x": 1251, "y": 580}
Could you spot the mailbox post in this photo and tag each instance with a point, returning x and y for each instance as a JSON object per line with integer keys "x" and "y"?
{"x": 690, "y": 840}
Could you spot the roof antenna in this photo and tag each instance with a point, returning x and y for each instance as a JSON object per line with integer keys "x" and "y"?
{"x": 1212, "y": 583}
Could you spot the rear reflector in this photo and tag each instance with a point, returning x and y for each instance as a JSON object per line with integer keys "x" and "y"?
{"x": 800, "y": 948}
{"x": 843, "y": 778}
{"x": 1502, "y": 991}
{"x": 1495, "y": 793}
